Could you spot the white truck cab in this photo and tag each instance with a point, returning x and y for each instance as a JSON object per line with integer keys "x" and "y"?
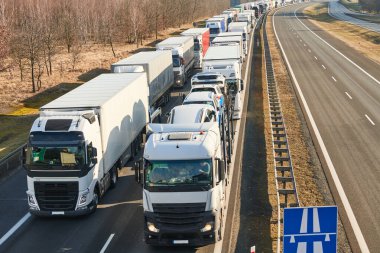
{"x": 192, "y": 113}
{"x": 183, "y": 184}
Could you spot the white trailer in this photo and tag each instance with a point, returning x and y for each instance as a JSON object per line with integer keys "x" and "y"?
{"x": 201, "y": 43}
{"x": 245, "y": 17}
{"x": 158, "y": 67}
{"x": 80, "y": 140}
{"x": 226, "y": 60}
{"x": 230, "y": 41}
{"x": 240, "y": 27}
{"x": 182, "y": 49}
{"x": 183, "y": 184}
{"x": 233, "y": 34}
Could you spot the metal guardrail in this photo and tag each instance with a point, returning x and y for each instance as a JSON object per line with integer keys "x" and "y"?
{"x": 11, "y": 162}
{"x": 287, "y": 195}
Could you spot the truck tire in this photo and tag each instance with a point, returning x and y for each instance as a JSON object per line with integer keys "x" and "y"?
{"x": 95, "y": 200}
{"x": 114, "y": 177}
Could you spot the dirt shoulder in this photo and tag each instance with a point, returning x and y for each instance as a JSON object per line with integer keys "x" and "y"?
{"x": 311, "y": 182}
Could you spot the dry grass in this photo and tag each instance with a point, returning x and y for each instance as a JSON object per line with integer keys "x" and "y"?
{"x": 19, "y": 106}
{"x": 362, "y": 40}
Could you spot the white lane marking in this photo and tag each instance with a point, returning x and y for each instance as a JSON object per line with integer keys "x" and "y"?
{"x": 346, "y": 204}
{"x": 1, "y": 149}
{"x": 309, "y": 50}
{"x": 323, "y": 66}
{"x": 348, "y": 95}
{"x": 370, "y": 120}
{"x": 107, "y": 243}
{"x": 14, "y": 228}
{"x": 304, "y": 45}
{"x": 348, "y": 59}
{"x": 300, "y": 40}
{"x": 316, "y": 58}
{"x": 333, "y": 78}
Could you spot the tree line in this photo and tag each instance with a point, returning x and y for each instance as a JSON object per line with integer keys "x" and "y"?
{"x": 33, "y": 31}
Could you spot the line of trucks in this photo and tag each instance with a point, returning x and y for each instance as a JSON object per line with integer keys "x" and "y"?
{"x": 80, "y": 140}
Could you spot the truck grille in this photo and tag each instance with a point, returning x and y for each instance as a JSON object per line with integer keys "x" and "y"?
{"x": 180, "y": 215}
{"x": 54, "y": 196}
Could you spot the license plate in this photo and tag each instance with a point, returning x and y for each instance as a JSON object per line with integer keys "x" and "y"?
{"x": 58, "y": 213}
{"x": 181, "y": 241}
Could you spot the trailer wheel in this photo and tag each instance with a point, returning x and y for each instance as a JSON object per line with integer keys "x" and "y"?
{"x": 114, "y": 177}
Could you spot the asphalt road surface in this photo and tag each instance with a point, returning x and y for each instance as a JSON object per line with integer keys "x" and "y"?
{"x": 341, "y": 88}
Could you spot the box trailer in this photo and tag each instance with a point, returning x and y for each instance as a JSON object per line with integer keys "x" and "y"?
{"x": 80, "y": 140}
{"x": 182, "y": 49}
{"x": 201, "y": 43}
{"x": 216, "y": 25}
{"x": 158, "y": 66}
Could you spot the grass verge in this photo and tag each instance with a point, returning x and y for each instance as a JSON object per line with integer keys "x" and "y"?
{"x": 362, "y": 40}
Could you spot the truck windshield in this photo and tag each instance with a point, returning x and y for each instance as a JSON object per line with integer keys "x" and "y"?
{"x": 203, "y": 89}
{"x": 196, "y": 45}
{"x": 44, "y": 157}
{"x": 179, "y": 172}
{"x": 199, "y": 103}
{"x": 214, "y": 30}
{"x": 176, "y": 61}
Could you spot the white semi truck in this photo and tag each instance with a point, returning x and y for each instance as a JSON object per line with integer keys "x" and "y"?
{"x": 158, "y": 67}
{"x": 183, "y": 184}
{"x": 201, "y": 43}
{"x": 80, "y": 140}
{"x": 227, "y": 61}
{"x": 182, "y": 49}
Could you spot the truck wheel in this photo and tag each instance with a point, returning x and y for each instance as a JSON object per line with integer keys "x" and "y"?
{"x": 95, "y": 200}
{"x": 114, "y": 177}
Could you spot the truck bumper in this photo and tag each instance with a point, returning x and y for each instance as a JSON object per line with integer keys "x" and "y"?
{"x": 190, "y": 235}
{"x": 73, "y": 213}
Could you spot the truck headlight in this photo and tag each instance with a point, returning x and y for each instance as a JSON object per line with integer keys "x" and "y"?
{"x": 208, "y": 226}
{"x": 152, "y": 227}
{"x": 83, "y": 197}
{"x": 31, "y": 200}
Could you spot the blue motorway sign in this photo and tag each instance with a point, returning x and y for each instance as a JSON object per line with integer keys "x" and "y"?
{"x": 310, "y": 229}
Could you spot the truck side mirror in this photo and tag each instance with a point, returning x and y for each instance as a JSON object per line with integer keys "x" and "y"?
{"x": 94, "y": 160}
{"x": 94, "y": 152}
{"x": 221, "y": 167}
{"x": 138, "y": 171}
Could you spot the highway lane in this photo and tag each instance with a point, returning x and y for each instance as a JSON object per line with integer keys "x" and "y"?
{"x": 115, "y": 227}
{"x": 343, "y": 95}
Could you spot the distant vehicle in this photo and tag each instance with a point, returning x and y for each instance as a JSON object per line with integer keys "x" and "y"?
{"x": 201, "y": 43}
{"x": 80, "y": 140}
{"x": 211, "y": 78}
{"x": 204, "y": 98}
{"x": 232, "y": 34}
{"x": 231, "y": 41}
{"x": 182, "y": 49}
{"x": 216, "y": 26}
{"x": 192, "y": 113}
{"x": 240, "y": 27}
{"x": 210, "y": 88}
{"x": 158, "y": 67}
